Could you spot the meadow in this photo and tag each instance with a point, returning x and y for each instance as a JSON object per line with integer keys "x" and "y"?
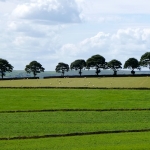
{"x": 43, "y": 99}
{"x": 99, "y": 82}
{"x": 29, "y": 116}
{"x": 55, "y": 123}
{"x": 125, "y": 141}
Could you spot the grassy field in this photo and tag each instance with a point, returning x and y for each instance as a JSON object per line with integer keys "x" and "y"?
{"x": 38, "y": 99}
{"x": 127, "y": 141}
{"x": 36, "y": 124}
{"x": 28, "y": 124}
{"x": 112, "y": 82}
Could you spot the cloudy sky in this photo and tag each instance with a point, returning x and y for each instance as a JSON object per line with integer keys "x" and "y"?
{"x": 52, "y": 31}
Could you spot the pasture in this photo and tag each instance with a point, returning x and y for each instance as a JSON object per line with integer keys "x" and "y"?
{"x": 55, "y": 123}
{"x": 99, "y": 82}
{"x": 125, "y": 141}
{"x": 43, "y": 99}
{"x": 75, "y": 119}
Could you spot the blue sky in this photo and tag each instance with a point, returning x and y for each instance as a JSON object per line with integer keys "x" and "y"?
{"x": 52, "y": 31}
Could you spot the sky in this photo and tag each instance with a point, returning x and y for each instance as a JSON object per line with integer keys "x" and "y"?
{"x": 53, "y": 31}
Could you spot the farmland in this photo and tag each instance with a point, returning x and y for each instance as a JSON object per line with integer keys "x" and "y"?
{"x": 42, "y": 99}
{"x": 127, "y": 141}
{"x": 99, "y": 82}
{"x": 89, "y": 119}
{"x": 55, "y": 123}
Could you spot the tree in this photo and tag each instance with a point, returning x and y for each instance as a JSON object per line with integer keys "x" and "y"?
{"x": 5, "y": 67}
{"x": 114, "y": 65}
{"x": 145, "y": 60}
{"x": 97, "y": 62}
{"x": 62, "y": 67}
{"x": 34, "y": 67}
{"x": 78, "y": 65}
{"x": 132, "y": 63}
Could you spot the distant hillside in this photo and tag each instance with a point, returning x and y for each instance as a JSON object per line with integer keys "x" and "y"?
{"x": 22, "y": 73}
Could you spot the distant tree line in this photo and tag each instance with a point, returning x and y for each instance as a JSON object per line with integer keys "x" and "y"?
{"x": 96, "y": 62}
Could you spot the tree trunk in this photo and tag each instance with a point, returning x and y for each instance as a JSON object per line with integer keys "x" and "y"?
{"x": 115, "y": 73}
{"x": 63, "y": 72}
{"x": 34, "y": 74}
{"x": 80, "y": 72}
{"x": 2, "y": 75}
{"x": 97, "y": 71}
{"x": 133, "y": 72}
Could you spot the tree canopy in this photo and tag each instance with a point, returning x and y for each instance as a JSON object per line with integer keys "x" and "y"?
{"x": 132, "y": 63}
{"x": 97, "y": 62}
{"x": 78, "y": 64}
{"x": 62, "y": 67}
{"x": 145, "y": 60}
{"x": 114, "y": 65}
{"x": 34, "y": 67}
{"x": 5, "y": 66}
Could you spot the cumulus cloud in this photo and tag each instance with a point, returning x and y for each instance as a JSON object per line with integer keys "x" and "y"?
{"x": 22, "y": 42}
{"x": 54, "y": 11}
{"x": 24, "y": 37}
{"x": 42, "y": 30}
{"x": 123, "y": 44}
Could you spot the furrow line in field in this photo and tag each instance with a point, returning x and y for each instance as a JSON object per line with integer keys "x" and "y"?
{"x": 74, "y": 134}
{"x": 74, "y": 110}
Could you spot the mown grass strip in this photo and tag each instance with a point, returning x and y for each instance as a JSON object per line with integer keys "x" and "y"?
{"x": 74, "y": 134}
{"x": 74, "y": 110}
{"x": 43, "y": 99}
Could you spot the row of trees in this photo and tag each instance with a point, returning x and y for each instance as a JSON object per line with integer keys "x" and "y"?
{"x": 96, "y": 61}
{"x": 34, "y": 67}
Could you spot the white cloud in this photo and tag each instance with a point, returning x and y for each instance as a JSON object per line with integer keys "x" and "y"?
{"x": 24, "y": 41}
{"x": 49, "y": 30}
{"x": 54, "y": 11}
{"x": 123, "y": 44}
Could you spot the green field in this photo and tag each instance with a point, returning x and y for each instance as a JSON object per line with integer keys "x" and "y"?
{"x": 127, "y": 141}
{"x": 112, "y": 82}
{"x": 37, "y": 124}
{"x": 39, "y": 99}
{"x": 47, "y": 122}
